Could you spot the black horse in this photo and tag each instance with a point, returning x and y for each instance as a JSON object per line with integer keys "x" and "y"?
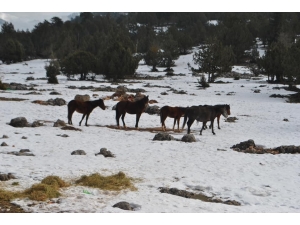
{"x": 84, "y": 108}
{"x": 219, "y": 115}
{"x": 203, "y": 114}
{"x": 137, "y": 107}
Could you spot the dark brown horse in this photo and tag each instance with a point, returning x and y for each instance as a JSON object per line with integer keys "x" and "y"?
{"x": 137, "y": 107}
{"x": 203, "y": 114}
{"x": 84, "y": 108}
{"x": 172, "y": 112}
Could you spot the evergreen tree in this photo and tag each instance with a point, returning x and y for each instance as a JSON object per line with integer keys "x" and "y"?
{"x": 214, "y": 59}
{"x": 153, "y": 57}
{"x": 117, "y": 62}
{"x": 80, "y": 62}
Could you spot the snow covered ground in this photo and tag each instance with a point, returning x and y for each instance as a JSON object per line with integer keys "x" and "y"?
{"x": 262, "y": 183}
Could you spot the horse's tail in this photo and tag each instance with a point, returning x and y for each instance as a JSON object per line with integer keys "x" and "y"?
{"x": 161, "y": 116}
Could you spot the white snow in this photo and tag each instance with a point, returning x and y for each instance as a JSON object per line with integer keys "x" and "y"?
{"x": 261, "y": 183}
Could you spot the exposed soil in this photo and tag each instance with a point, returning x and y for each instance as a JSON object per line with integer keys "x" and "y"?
{"x": 152, "y": 129}
{"x": 12, "y": 99}
{"x": 8, "y": 207}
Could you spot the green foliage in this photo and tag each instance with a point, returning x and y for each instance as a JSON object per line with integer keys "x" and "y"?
{"x": 153, "y": 57}
{"x": 12, "y": 52}
{"x": 202, "y": 82}
{"x": 214, "y": 59}
{"x": 272, "y": 61}
{"x": 80, "y": 62}
{"x": 52, "y": 70}
{"x": 117, "y": 62}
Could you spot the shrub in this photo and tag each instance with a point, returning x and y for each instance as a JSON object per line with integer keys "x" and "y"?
{"x": 202, "y": 82}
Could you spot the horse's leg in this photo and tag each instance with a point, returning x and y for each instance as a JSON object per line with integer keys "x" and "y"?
{"x": 189, "y": 124}
{"x": 87, "y": 117}
{"x": 202, "y": 128}
{"x": 122, "y": 117}
{"x": 162, "y": 119}
{"x": 178, "y": 120}
{"x": 70, "y": 113}
{"x": 174, "y": 123}
{"x": 212, "y": 126}
{"x": 81, "y": 119}
{"x": 218, "y": 119}
{"x": 138, "y": 115}
{"x": 118, "y": 117}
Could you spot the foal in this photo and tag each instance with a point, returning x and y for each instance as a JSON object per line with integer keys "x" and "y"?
{"x": 172, "y": 112}
{"x": 84, "y": 108}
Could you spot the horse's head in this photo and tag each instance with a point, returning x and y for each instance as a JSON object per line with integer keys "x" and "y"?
{"x": 101, "y": 104}
{"x": 146, "y": 99}
{"x": 228, "y": 109}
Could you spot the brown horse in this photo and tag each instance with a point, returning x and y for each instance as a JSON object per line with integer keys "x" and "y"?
{"x": 84, "y": 108}
{"x": 137, "y": 107}
{"x": 172, "y": 112}
{"x": 203, "y": 114}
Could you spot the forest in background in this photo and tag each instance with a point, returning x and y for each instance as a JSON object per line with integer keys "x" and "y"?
{"x": 112, "y": 44}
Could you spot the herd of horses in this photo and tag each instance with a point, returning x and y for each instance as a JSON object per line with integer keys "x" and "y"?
{"x": 200, "y": 113}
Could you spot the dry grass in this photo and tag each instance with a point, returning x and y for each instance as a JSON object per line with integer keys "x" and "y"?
{"x": 48, "y": 188}
{"x": 115, "y": 182}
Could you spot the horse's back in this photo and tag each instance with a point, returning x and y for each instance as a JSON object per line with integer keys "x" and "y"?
{"x": 199, "y": 113}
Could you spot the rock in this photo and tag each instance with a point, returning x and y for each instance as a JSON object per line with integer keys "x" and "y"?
{"x": 4, "y": 144}
{"x": 24, "y": 137}
{"x": 153, "y": 110}
{"x": 163, "y": 137}
{"x": 244, "y": 145}
{"x": 37, "y": 124}
{"x": 5, "y": 177}
{"x": 188, "y": 138}
{"x": 54, "y": 93}
{"x": 19, "y": 122}
{"x": 4, "y": 136}
{"x": 231, "y": 119}
{"x": 59, "y": 123}
{"x": 105, "y": 153}
{"x": 82, "y": 98}
{"x": 22, "y": 152}
{"x": 124, "y": 206}
{"x": 78, "y": 152}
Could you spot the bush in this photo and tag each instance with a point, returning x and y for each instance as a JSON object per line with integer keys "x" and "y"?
{"x": 202, "y": 82}
{"x": 52, "y": 70}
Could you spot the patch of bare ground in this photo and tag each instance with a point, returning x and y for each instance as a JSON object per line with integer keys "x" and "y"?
{"x": 149, "y": 129}
{"x": 199, "y": 196}
{"x": 8, "y": 207}
{"x": 12, "y": 99}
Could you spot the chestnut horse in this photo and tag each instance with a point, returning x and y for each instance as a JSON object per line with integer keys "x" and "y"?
{"x": 172, "y": 112}
{"x": 203, "y": 114}
{"x": 84, "y": 108}
{"x": 137, "y": 107}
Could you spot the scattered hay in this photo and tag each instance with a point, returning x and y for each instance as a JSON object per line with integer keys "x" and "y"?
{"x": 48, "y": 188}
{"x": 115, "y": 182}
{"x": 54, "y": 181}
{"x": 9, "y": 195}
{"x": 42, "y": 192}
